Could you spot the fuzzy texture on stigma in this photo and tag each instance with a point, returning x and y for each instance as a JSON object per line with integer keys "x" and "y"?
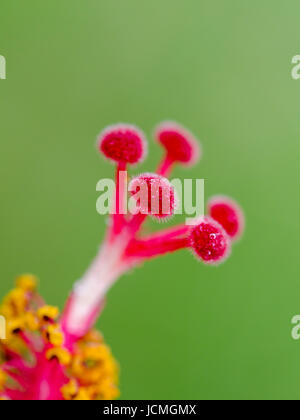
{"x": 47, "y": 357}
{"x": 180, "y": 145}
{"x": 36, "y": 365}
{"x": 155, "y": 195}
{"x": 123, "y": 143}
{"x": 228, "y": 214}
{"x": 126, "y": 246}
{"x": 210, "y": 242}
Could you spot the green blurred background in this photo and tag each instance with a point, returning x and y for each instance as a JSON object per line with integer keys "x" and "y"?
{"x": 222, "y": 68}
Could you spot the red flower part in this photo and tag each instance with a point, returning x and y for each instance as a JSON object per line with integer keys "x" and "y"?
{"x": 166, "y": 241}
{"x": 154, "y": 195}
{"x": 37, "y": 359}
{"x": 123, "y": 143}
{"x": 53, "y": 358}
{"x": 210, "y": 242}
{"x": 140, "y": 249}
{"x": 180, "y": 146}
{"x": 207, "y": 239}
{"x": 228, "y": 214}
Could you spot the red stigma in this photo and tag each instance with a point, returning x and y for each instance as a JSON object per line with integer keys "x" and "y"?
{"x": 228, "y": 214}
{"x": 179, "y": 143}
{"x": 209, "y": 241}
{"x": 123, "y": 144}
{"x": 154, "y": 195}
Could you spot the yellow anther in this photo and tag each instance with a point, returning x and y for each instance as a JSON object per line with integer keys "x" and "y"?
{"x": 59, "y": 353}
{"x": 70, "y": 390}
{"x": 31, "y": 322}
{"x": 27, "y": 282}
{"x": 54, "y": 335}
{"x": 96, "y": 353}
{"x": 2, "y": 379}
{"x": 93, "y": 363}
{"x": 14, "y": 326}
{"x": 16, "y": 302}
{"x": 47, "y": 313}
{"x": 104, "y": 390}
{"x": 93, "y": 336}
{"x": 82, "y": 395}
{"x": 92, "y": 369}
{"x": 7, "y": 310}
